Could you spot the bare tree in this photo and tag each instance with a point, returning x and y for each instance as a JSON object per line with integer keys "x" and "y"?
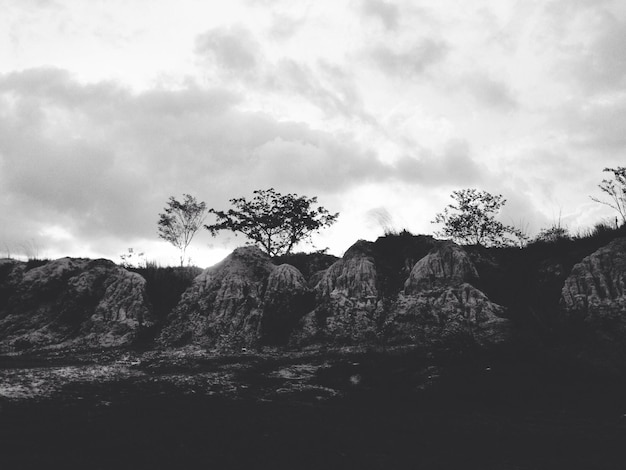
{"x": 616, "y": 190}
{"x": 181, "y": 221}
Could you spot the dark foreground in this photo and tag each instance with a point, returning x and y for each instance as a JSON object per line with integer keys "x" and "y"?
{"x": 318, "y": 411}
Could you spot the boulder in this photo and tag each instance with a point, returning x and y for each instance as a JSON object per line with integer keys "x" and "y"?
{"x": 72, "y": 302}
{"x": 446, "y": 315}
{"x": 447, "y": 265}
{"x": 224, "y": 305}
{"x": 595, "y": 290}
{"x": 439, "y": 304}
{"x": 348, "y": 306}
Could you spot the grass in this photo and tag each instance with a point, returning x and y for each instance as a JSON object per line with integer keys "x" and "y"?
{"x": 32, "y": 263}
{"x": 166, "y": 285}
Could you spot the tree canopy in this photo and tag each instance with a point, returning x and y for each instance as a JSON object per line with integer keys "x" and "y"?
{"x": 273, "y": 221}
{"x": 471, "y": 220}
{"x": 180, "y": 222}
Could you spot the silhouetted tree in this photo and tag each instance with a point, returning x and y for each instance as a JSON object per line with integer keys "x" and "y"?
{"x": 181, "y": 221}
{"x": 616, "y": 189}
{"x": 273, "y": 221}
{"x": 471, "y": 221}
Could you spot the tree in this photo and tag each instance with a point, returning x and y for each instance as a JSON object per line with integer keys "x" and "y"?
{"x": 181, "y": 221}
{"x": 616, "y": 189}
{"x": 273, "y": 221}
{"x": 472, "y": 220}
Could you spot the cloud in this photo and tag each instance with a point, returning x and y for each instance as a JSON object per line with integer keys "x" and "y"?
{"x": 321, "y": 162}
{"x": 602, "y": 66}
{"x": 322, "y": 84}
{"x": 284, "y": 27}
{"x": 411, "y": 61}
{"x": 232, "y": 49}
{"x": 387, "y": 13}
{"x": 494, "y": 93}
{"x": 588, "y": 39}
{"x": 593, "y": 125}
{"x": 328, "y": 87}
{"x": 453, "y": 167}
{"x": 101, "y": 161}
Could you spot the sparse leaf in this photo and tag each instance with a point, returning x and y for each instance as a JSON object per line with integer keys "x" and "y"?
{"x": 471, "y": 220}
{"x": 180, "y": 222}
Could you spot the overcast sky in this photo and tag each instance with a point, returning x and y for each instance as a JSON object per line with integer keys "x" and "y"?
{"x": 379, "y": 108}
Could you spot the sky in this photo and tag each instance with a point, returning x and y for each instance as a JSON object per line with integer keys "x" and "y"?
{"x": 380, "y": 109}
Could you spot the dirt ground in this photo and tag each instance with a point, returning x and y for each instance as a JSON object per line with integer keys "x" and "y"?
{"x": 317, "y": 410}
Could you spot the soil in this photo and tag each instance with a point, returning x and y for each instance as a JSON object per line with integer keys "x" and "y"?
{"x": 336, "y": 409}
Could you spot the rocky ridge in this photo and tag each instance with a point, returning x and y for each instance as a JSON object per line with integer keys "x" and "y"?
{"x": 71, "y": 303}
{"x": 243, "y": 301}
{"x": 348, "y": 306}
{"x": 438, "y": 303}
{"x": 596, "y": 287}
{"x": 427, "y": 292}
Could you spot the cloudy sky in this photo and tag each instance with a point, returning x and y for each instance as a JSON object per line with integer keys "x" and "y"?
{"x": 379, "y": 108}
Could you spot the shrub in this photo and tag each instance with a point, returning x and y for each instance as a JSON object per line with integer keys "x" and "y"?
{"x": 553, "y": 234}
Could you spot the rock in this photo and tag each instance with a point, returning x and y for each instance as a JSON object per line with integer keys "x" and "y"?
{"x": 593, "y": 308}
{"x": 287, "y": 298}
{"x": 72, "y": 302}
{"x": 11, "y": 273}
{"x": 224, "y": 305}
{"x": 353, "y": 276}
{"x": 439, "y": 304}
{"x": 596, "y": 287}
{"x": 348, "y": 305}
{"x": 452, "y": 314}
{"x": 446, "y": 265}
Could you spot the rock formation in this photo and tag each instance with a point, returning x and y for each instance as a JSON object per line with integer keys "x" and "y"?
{"x": 348, "y": 306}
{"x": 243, "y": 301}
{"x": 224, "y": 304}
{"x": 439, "y": 303}
{"x": 446, "y": 266}
{"x": 71, "y": 302}
{"x": 595, "y": 291}
{"x": 287, "y": 298}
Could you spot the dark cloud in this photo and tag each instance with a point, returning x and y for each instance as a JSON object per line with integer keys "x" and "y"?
{"x": 589, "y": 38}
{"x": 409, "y": 62}
{"x": 454, "y": 166}
{"x": 387, "y": 13}
{"x": 284, "y": 27}
{"x": 602, "y": 66}
{"x": 232, "y": 49}
{"x": 325, "y": 85}
{"x": 491, "y": 92}
{"x": 595, "y": 125}
{"x": 321, "y": 162}
{"x": 101, "y": 161}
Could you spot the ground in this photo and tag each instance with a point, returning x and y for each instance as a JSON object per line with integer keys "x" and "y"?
{"x": 344, "y": 408}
